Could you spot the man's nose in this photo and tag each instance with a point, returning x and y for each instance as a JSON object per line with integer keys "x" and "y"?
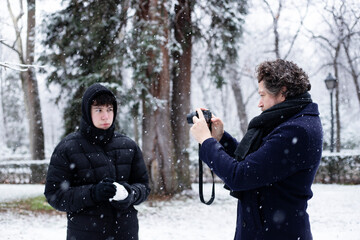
{"x": 105, "y": 115}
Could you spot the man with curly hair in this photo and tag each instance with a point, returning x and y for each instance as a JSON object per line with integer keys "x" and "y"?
{"x": 273, "y": 167}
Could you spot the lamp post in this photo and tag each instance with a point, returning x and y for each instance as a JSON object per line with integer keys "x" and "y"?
{"x": 330, "y": 82}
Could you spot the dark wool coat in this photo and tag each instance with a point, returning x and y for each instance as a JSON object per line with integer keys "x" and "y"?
{"x": 274, "y": 181}
{"x": 84, "y": 158}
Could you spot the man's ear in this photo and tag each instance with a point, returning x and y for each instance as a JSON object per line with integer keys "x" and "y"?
{"x": 283, "y": 91}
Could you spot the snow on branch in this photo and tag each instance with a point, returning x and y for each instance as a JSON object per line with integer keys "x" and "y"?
{"x": 18, "y": 66}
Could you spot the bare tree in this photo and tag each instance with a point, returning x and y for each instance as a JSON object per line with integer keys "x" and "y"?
{"x": 279, "y": 47}
{"x": 276, "y": 17}
{"x": 351, "y": 47}
{"x": 342, "y": 29}
{"x": 11, "y": 110}
{"x": 235, "y": 80}
{"x": 28, "y": 76}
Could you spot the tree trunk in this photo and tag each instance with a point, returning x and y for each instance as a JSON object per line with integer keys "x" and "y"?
{"x": 180, "y": 105}
{"x": 28, "y": 79}
{"x": 354, "y": 75}
{"x": 3, "y": 137}
{"x": 240, "y": 104}
{"x": 135, "y": 116}
{"x": 338, "y": 125}
{"x": 337, "y": 100}
{"x": 157, "y": 136}
{"x": 30, "y": 86}
{"x": 275, "y": 18}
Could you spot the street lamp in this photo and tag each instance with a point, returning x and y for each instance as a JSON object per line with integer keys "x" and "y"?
{"x": 330, "y": 82}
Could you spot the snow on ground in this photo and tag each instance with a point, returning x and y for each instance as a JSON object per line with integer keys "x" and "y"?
{"x": 334, "y": 214}
{"x": 13, "y": 192}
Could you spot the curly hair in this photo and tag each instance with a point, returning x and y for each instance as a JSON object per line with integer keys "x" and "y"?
{"x": 279, "y": 73}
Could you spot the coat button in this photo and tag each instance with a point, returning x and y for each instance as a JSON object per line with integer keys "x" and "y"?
{"x": 244, "y": 224}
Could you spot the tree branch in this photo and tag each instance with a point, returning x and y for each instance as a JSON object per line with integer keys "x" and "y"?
{"x": 302, "y": 18}
{"x": 18, "y": 66}
{"x": 15, "y": 21}
{"x": 2, "y": 41}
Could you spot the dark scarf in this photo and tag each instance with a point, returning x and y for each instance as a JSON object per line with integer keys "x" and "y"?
{"x": 95, "y": 135}
{"x": 262, "y": 125}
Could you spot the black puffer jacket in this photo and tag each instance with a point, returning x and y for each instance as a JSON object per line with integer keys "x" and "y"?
{"x": 84, "y": 158}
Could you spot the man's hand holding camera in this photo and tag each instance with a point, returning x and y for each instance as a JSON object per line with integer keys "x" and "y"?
{"x": 200, "y": 130}
{"x": 217, "y": 128}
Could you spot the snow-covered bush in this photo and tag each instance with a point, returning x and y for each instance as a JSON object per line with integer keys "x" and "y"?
{"x": 343, "y": 168}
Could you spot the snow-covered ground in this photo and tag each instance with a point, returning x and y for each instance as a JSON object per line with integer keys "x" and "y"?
{"x": 334, "y": 212}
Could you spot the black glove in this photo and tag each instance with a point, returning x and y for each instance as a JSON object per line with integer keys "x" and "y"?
{"x": 103, "y": 191}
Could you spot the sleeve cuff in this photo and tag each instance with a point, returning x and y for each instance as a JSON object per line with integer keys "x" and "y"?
{"x": 225, "y": 138}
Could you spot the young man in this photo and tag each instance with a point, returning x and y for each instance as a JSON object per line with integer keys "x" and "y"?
{"x": 271, "y": 170}
{"x": 90, "y": 166}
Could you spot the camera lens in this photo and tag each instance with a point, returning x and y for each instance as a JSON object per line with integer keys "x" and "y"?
{"x": 207, "y": 115}
{"x": 190, "y": 116}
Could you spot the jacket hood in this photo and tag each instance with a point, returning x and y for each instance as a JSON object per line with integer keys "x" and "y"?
{"x": 87, "y": 128}
{"x": 93, "y": 91}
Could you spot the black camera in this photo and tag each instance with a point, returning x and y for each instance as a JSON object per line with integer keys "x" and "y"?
{"x": 207, "y": 116}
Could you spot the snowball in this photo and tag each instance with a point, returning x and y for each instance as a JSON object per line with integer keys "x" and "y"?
{"x": 121, "y": 192}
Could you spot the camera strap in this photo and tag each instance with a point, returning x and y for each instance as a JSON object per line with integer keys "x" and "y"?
{"x": 201, "y": 192}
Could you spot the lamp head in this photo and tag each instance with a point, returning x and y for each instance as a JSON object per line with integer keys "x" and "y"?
{"x": 330, "y": 82}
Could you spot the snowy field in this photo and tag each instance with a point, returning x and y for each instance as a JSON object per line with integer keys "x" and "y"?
{"x": 334, "y": 213}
